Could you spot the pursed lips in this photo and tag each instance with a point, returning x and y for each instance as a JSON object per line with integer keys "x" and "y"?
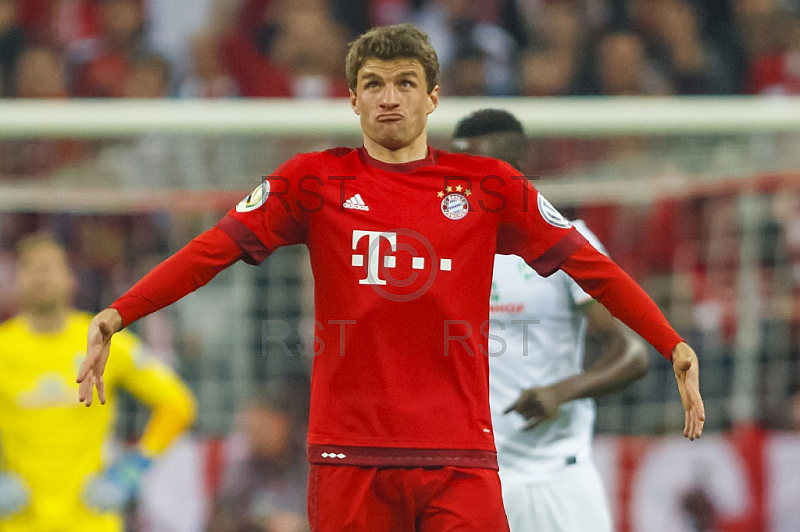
{"x": 389, "y": 117}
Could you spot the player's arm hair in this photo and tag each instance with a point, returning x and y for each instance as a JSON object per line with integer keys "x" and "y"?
{"x": 623, "y": 358}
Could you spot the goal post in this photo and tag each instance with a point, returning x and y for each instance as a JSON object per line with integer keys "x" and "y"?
{"x": 543, "y": 117}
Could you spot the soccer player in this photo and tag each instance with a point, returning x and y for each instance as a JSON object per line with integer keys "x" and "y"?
{"x": 536, "y": 346}
{"x": 401, "y": 239}
{"x": 54, "y": 470}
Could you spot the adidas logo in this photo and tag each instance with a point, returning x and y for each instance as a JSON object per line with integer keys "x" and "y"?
{"x": 356, "y": 203}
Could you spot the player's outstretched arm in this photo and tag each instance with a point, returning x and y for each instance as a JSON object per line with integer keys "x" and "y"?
{"x": 90, "y": 375}
{"x": 182, "y": 273}
{"x": 687, "y": 373}
{"x": 609, "y": 284}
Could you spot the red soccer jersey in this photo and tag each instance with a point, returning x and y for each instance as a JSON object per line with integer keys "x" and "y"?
{"x": 402, "y": 259}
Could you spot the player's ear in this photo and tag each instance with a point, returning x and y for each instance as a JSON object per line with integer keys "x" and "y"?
{"x": 433, "y": 99}
{"x": 354, "y": 102}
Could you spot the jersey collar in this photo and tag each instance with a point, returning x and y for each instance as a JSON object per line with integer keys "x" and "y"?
{"x": 402, "y": 168}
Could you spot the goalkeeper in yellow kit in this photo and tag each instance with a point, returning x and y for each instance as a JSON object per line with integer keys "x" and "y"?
{"x": 54, "y": 474}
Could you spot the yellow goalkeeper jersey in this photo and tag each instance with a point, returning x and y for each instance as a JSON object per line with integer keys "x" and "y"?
{"x": 53, "y": 441}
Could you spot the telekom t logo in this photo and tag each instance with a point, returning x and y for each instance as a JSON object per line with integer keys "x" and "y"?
{"x": 389, "y": 261}
{"x": 373, "y": 255}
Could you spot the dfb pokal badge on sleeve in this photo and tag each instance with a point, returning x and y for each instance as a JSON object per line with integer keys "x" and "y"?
{"x": 454, "y": 205}
{"x": 256, "y": 198}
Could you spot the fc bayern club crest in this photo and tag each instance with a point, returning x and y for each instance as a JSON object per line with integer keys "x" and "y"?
{"x": 455, "y": 206}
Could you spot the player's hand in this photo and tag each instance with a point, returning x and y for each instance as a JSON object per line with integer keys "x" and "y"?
{"x": 90, "y": 375}
{"x": 111, "y": 490}
{"x": 14, "y": 494}
{"x": 687, "y": 373}
{"x": 537, "y": 405}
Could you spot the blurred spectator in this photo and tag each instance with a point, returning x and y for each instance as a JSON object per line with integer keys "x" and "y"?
{"x": 549, "y": 67}
{"x": 40, "y": 74}
{"x": 244, "y": 44}
{"x": 694, "y": 65}
{"x": 778, "y": 71}
{"x": 311, "y": 46}
{"x": 265, "y": 488}
{"x": 118, "y": 47}
{"x": 466, "y": 76}
{"x": 149, "y": 78}
{"x": 645, "y": 17}
{"x": 11, "y": 45}
{"x": 359, "y": 16}
{"x": 767, "y": 33}
{"x": 621, "y": 68}
{"x": 719, "y": 26}
{"x": 559, "y": 28}
{"x": 171, "y": 25}
{"x": 208, "y": 77}
{"x": 36, "y": 19}
{"x": 546, "y": 73}
{"x": 69, "y": 25}
{"x": 255, "y": 22}
{"x": 122, "y": 24}
{"x": 454, "y": 25}
{"x": 284, "y": 48}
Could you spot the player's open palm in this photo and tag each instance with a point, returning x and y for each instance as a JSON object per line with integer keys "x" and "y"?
{"x": 90, "y": 374}
{"x": 687, "y": 373}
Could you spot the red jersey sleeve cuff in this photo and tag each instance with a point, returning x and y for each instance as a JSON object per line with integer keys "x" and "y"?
{"x": 128, "y": 316}
{"x": 254, "y": 251}
{"x": 661, "y": 335}
{"x": 549, "y": 261}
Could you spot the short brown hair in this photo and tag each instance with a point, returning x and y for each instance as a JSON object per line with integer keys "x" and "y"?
{"x": 35, "y": 241}
{"x": 387, "y": 43}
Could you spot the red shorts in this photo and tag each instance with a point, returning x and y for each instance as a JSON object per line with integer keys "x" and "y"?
{"x": 393, "y": 499}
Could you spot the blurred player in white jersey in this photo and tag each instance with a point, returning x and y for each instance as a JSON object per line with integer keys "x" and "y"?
{"x": 536, "y": 347}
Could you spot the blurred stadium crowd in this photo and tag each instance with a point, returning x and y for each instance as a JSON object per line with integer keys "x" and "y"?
{"x": 295, "y": 48}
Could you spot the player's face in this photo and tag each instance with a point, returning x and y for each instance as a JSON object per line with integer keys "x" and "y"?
{"x": 393, "y": 102}
{"x": 45, "y": 282}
